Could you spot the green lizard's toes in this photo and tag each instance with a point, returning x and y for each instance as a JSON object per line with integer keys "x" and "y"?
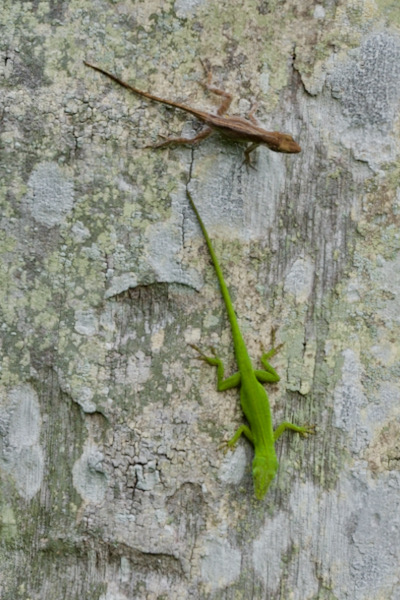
{"x": 225, "y": 446}
{"x": 196, "y": 348}
{"x": 273, "y": 340}
{"x": 308, "y": 430}
{"x": 274, "y": 350}
{"x": 201, "y": 353}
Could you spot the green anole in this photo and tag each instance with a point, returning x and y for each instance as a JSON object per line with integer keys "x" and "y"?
{"x": 253, "y": 397}
{"x": 237, "y": 129}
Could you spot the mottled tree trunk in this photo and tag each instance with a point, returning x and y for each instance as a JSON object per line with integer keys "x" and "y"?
{"x": 113, "y": 482}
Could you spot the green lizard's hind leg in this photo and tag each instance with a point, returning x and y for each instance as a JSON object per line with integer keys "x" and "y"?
{"x": 269, "y": 375}
{"x": 286, "y": 425}
{"x": 222, "y": 384}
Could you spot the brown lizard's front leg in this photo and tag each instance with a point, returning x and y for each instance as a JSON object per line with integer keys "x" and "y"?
{"x": 183, "y": 140}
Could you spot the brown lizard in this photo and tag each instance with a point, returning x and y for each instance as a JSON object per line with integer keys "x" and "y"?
{"x": 237, "y": 129}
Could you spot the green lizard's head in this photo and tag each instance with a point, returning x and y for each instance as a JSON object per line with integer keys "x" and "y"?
{"x": 264, "y": 470}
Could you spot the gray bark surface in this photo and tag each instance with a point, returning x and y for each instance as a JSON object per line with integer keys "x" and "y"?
{"x": 113, "y": 485}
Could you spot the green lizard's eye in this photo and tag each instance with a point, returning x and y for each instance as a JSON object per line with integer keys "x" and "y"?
{"x": 264, "y": 470}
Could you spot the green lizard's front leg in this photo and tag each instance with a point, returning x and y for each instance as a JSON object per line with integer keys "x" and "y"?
{"x": 243, "y": 429}
{"x": 222, "y": 384}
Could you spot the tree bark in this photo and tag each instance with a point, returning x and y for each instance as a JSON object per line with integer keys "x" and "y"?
{"x": 113, "y": 482}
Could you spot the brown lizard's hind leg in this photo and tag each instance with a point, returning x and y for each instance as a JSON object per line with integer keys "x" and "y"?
{"x": 253, "y": 146}
{"x": 247, "y": 161}
{"x": 227, "y": 97}
{"x": 183, "y": 140}
{"x": 251, "y": 114}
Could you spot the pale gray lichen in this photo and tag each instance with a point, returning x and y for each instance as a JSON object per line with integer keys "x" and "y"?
{"x": 299, "y": 279}
{"x": 22, "y": 455}
{"x": 368, "y": 85}
{"x": 51, "y": 195}
{"x": 220, "y": 565}
{"x": 89, "y": 476}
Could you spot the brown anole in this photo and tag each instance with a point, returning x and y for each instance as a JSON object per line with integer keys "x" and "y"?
{"x": 237, "y": 129}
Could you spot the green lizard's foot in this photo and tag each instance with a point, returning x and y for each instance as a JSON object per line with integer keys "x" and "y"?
{"x": 303, "y": 431}
{"x": 196, "y": 348}
{"x": 224, "y": 446}
{"x": 270, "y": 353}
{"x": 307, "y": 430}
{"x": 211, "y": 360}
{"x": 274, "y": 349}
{"x": 214, "y": 361}
{"x": 202, "y": 355}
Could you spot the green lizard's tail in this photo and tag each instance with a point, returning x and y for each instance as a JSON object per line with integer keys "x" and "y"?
{"x": 237, "y": 336}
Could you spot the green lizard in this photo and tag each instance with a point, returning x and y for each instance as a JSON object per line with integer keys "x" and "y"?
{"x": 253, "y": 397}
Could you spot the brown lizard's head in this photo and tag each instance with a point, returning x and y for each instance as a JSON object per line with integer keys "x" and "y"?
{"x": 264, "y": 470}
{"x": 280, "y": 142}
{"x": 286, "y": 143}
